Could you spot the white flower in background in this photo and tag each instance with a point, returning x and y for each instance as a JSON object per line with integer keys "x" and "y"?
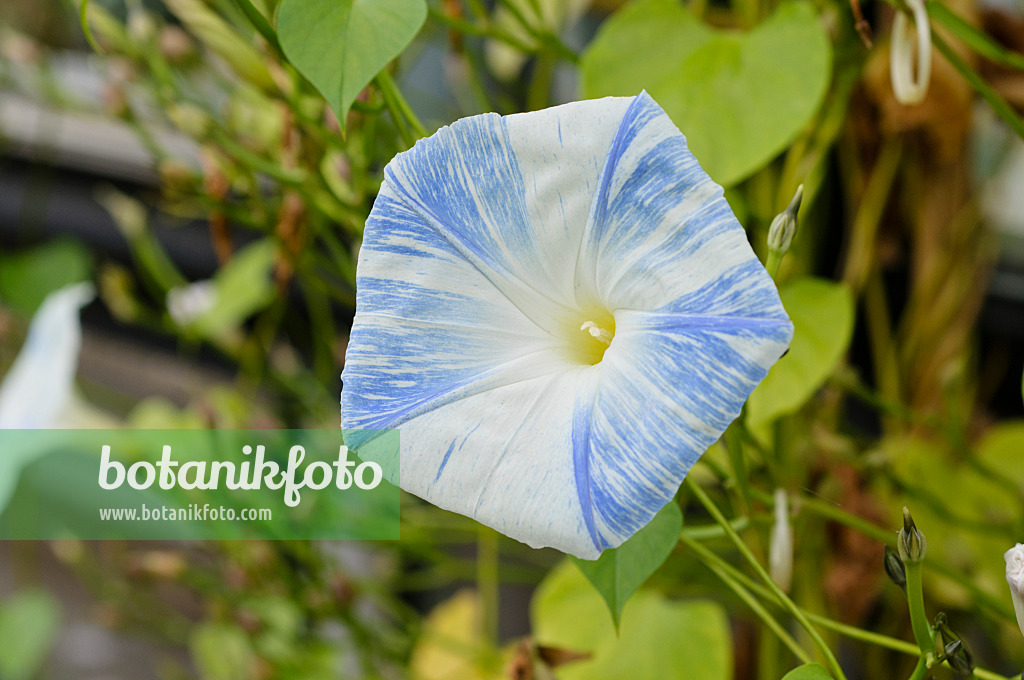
{"x": 1015, "y": 577}
{"x": 560, "y": 313}
{"x": 780, "y": 546}
{"x": 905, "y": 87}
{"x": 37, "y": 390}
{"x": 185, "y": 304}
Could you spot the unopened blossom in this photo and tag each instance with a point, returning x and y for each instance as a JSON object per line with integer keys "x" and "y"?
{"x": 780, "y": 545}
{"x": 560, "y": 313}
{"x": 187, "y": 303}
{"x": 905, "y": 51}
{"x": 1015, "y": 577}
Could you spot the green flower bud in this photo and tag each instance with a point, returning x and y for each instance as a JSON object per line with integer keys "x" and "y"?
{"x": 894, "y": 568}
{"x": 960, "y": 659}
{"x": 911, "y": 543}
{"x": 780, "y": 234}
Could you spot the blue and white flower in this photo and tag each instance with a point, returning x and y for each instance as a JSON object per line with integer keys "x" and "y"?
{"x": 560, "y": 313}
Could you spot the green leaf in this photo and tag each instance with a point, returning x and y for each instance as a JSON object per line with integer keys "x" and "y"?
{"x": 740, "y": 98}
{"x": 658, "y": 639}
{"x": 822, "y": 314}
{"x": 809, "y": 671}
{"x": 340, "y": 45}
{"x": 26, "y": 278}
{"x": 221, "y": 652}
{"x": 243, "y": 287}
{"x": 29, "y": 622}
{"x": 620, "y": 571}
{"x": 977, "y": 40}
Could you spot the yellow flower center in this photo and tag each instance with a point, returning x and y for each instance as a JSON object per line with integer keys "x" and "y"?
{"x": 589, "y": 340}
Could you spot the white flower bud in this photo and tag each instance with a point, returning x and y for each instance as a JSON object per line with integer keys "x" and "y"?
{"x": 185, "y": 304}
{"x": 780, "y": 547}
{"x": 901, "y": 58}
{"x": 1015, "y": 577}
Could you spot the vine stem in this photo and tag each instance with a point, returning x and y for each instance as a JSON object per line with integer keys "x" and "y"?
{"x": 781, "y": 596}
{"x": 918, "y": 617}
{"x": 488, "y": 583}
{"x": 396, "y": 100}
{"x": 846, "y": 630}
{"x": 712, "y": 562}
{"x": 920, "y": 670}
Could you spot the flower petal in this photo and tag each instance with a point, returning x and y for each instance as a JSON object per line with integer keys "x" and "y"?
{"x": 37, "y": 388}
{"x": 513, "y": 194}
{"x": 671, "y": 384}
{"x": 486, "y": 243}
{"x": 438, "y": 332}
{"x": 661, "y": 235}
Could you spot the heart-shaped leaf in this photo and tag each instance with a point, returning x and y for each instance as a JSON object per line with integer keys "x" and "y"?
{"x": 822, "y": 314}
{"x": 809, "y": 671}
{"x": 739, "y": 98}
{"x": 659, "y": 638}
{"x": 29, "y": 623}
{"x": 620, "y": 571}
{"x": 340, "y": 45}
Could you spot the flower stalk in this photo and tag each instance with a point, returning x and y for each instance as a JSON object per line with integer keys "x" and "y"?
{"x": 783, "y": 599}
{"x": 912, "y": 546}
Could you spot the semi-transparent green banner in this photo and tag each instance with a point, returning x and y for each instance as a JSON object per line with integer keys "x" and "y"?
{"x": 199, "y": 484}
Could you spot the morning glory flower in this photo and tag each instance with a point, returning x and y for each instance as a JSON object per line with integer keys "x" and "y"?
{"x": 560, "y": 313}
{"x": 37, "y": 390}
{"x": 1015, "y": 577}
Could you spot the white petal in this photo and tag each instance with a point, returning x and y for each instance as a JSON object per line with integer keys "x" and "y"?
{"x": 661, "y": 235}
{"x": 38, "y": 386}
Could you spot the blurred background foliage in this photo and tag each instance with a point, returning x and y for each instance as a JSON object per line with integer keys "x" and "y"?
{"x": 210, "y": 166}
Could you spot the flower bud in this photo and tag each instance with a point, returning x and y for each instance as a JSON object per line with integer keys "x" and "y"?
{"x": 186, "y": 304}
{"x": 141, "y": 26}
{"x": 894, "y": 568}
{"x": 190, "y": 119}
{"x": 1015, "y": 577}
{"x": 780, "y": 234}
{"x": 911, "y": 543}
{"x": 780, "y": 547}
{"x": 175, "y": 44}
{"x": 960, "y": 660}
{"x": 905, "y": 87}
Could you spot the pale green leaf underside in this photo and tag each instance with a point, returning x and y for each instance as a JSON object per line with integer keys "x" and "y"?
{"x": 659, "y": 638}
{"x": 822, "y": 314}
{"x": 809, "y": 671}
{"x": 740, "y": 98}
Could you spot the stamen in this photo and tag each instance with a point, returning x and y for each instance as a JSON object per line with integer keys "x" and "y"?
{"x": 597, "y": 332}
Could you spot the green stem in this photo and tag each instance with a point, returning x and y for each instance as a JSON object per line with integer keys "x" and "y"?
{"x": 920, "y": 670}
{"x": 703, "y": 533}
{"x": 488, "y": 583}
{"x": 393, "y": 96}
{"x": 715, "y": 564}
{"x": 918, "y": 617}
{"x": 783, "y": 599}
{"x": 987, "y": 92}
{"x": 485, "y": 31}
{"x": 774, "y": 260}
{"x": 883, "y": 535}
{"x": 843, "y": 629}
